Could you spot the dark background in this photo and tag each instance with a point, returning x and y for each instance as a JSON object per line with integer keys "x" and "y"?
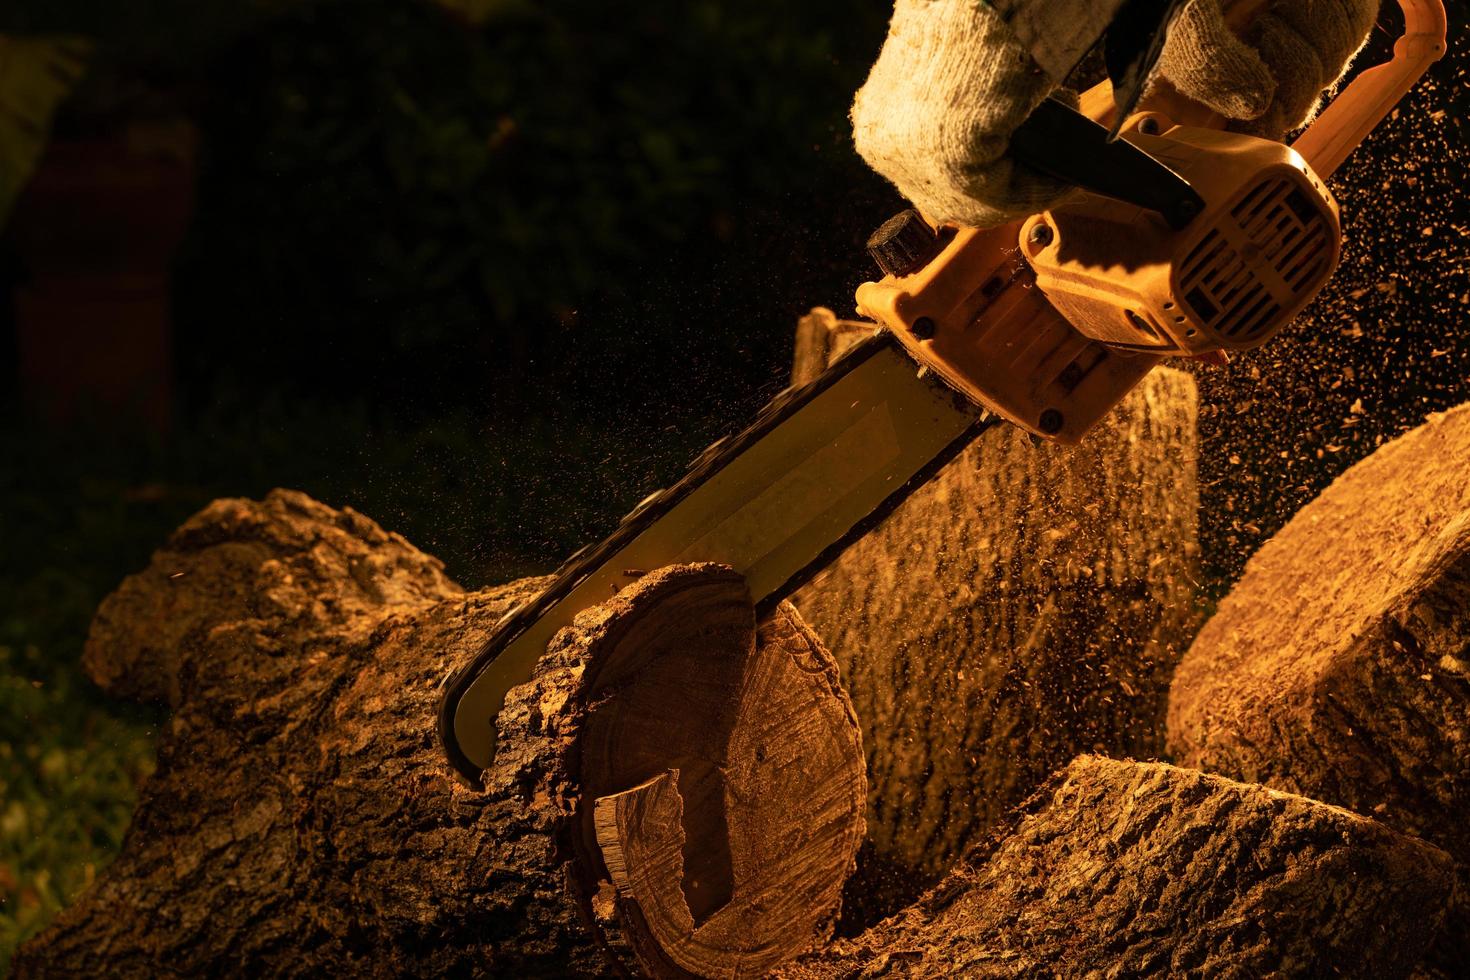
{"x": 492, "y": 284}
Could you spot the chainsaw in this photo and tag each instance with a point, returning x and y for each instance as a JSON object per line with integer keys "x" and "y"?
{"x": 1184, "y": 240}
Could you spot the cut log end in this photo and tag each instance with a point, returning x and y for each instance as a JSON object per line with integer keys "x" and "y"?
{"x": 722, "y": 776}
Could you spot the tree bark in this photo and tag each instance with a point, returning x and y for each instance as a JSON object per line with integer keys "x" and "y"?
{"x": 1029, "y": 603}
{"x": 1123, "y": 869}
{"x": 1339, "y": 665}
{"x": 679, "y": 789}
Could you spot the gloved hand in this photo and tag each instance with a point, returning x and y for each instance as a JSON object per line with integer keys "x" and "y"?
{"x": 953, "y": 81}
{"x": 949, "y": 87}
{"x": 1270, "y": 80}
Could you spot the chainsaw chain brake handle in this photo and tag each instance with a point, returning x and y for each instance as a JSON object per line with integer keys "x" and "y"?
{"x": 1051, "y": 320}
{"x": 1062, "y": 143}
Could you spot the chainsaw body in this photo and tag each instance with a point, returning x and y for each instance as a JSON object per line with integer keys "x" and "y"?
{"x": 1050, "y": 321}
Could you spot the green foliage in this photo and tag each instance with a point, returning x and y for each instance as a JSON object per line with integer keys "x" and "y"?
{"x": 69, "y": 769}
{"x": 70, "y": 760}
{"x": 398, "y": 184}
{"x": 36, "y": 74}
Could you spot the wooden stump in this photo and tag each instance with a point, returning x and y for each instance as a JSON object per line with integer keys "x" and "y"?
{"x": 1121, "y": 869}
{"x": 679, "y": 788}
{"x": 1028, "y": 604}
{"x": 725, "y": 770}
{"x": 1339, "y": 665}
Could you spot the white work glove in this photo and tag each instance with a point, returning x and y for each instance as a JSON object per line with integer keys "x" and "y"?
{"x": 951, "y": 84}
{"x": 954, "y": 80}
{"x": 1272, "y": 78}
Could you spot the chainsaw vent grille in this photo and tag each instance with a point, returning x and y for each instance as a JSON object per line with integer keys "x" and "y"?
{"x": 1288, "y": 241}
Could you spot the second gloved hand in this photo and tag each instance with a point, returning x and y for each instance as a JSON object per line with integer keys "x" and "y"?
{"x": 1271, "y": 78}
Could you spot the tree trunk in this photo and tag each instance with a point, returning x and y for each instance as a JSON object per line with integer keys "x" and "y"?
{"x": 1027, "y": 604}
{"x": 1124, "y": 869}
{"x": 1339, "y": 665}
{"x": 679, "y": 788}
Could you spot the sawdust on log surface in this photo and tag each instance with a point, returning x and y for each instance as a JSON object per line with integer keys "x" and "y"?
{"x": 1143, "y": 869}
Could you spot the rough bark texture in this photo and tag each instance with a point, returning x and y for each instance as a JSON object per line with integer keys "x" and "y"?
{"x": 1141, "y": 869}
{"x": 1026, "y": 605}
{"x": 1339, "y": 665}
{"x": 302, "y": 820}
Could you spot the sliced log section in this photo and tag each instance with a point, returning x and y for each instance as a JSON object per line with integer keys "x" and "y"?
{"x": 725, "y": 770}
{"x": 1339, "y": 665}
{"x": 302, "y": 820}
{"x": 1026, "y": 605}
{"x": 1122, "y": 869}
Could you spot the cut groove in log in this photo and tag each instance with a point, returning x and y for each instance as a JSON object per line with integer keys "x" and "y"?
{"x": 727, "y": 758}
{"x": 665, "y": 695}
{"x": 641, "y": 836}
{"x": 1123, "y": 869}
{"x": 1339, "y": 665}
{"x": 1027, "y": 604}
{"x": 303, "y": 820}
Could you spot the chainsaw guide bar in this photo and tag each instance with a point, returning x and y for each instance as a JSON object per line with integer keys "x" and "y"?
{"x": 821, "y": 465}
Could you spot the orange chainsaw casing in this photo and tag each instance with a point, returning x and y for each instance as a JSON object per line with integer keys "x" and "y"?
{"x": 1051, "y": 320}
{"x": 1266, "y": 242}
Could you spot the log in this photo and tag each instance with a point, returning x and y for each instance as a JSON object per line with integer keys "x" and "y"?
{"x": 730, "y": 857}
{"x": 1339, "y": 665}
{"x": 1026, "y": 605}
{"x": 1124, "y": 869}
{"x": 679, "y": 790}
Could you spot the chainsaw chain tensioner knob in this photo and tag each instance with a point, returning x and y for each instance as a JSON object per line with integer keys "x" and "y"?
{"x": 904, "y": 243}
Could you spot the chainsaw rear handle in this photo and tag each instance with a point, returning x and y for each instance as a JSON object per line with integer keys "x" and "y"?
{"x": 1359, "y": 106}
{"x": 1373, "y": 92}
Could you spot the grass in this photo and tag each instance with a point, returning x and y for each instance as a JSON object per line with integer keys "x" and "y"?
{"x": 69, "y": 772}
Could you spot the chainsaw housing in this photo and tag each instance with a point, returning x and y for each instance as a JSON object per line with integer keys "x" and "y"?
{"x": 1050, "y": 321}
{"x": 1267, "y": 242}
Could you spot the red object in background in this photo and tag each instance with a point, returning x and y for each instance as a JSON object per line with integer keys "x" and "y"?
{"x": 96, "y": 231}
